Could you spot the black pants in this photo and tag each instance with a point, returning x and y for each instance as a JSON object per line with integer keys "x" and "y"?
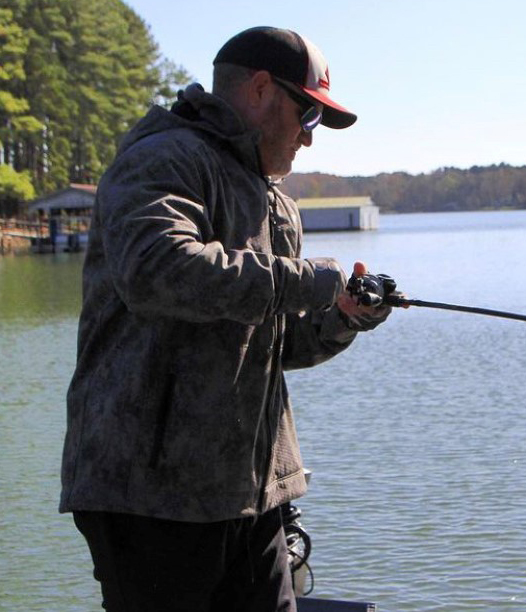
{"x": 152, "y": 565}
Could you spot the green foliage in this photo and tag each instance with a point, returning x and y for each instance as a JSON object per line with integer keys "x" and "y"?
{"x": 171, "y": 78}
{"x": 11, "y": 106}
{"x": 15, "y": 187}
{"x": 13, "y": 46}
{"x": 446, "y": 189}
{"x": 74, "y": 76}
{"x": 15, "y": 121}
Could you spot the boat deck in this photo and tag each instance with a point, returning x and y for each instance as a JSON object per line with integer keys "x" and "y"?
{"x": 311, "y": 604}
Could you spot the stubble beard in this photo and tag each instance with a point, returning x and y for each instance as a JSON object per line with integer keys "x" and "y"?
{"x": 275, "y": 154}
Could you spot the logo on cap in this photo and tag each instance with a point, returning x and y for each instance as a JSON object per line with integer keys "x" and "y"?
{"x": 325, "y": 82}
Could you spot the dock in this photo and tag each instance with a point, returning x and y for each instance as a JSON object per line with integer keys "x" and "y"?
{"x": 43, "y": 236}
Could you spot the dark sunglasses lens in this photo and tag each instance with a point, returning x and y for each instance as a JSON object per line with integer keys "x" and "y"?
{"x": 310, "y": 119}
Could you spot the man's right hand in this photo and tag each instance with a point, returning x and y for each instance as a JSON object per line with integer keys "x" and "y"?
{"x": 329, "y": 281}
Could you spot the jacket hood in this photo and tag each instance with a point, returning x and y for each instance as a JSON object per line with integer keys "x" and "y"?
{"x": 203, "y": 111}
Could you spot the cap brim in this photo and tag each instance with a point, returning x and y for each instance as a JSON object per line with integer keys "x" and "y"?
{"x": 334, "y": 116}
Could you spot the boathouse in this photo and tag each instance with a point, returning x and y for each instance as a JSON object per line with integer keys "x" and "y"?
{"x": 77, "y": 199}
{"x": 67, "y": 213}
{"x": 338, "y": 214}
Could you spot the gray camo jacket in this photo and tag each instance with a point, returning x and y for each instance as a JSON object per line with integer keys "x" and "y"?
{"x": 194, "y": 299}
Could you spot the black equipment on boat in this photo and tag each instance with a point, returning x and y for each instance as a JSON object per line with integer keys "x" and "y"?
{"x": 299, "y": 548}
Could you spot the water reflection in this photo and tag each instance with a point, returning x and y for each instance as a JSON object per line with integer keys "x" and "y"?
{"x": 415, "y": 436}
{"x": 39, "y": 288}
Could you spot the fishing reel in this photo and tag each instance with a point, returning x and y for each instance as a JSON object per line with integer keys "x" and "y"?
{"x": 370, "y": 289}
{"x": 377, "y": 290}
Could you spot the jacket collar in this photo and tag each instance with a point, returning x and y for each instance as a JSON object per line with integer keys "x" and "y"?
{"x": 215, "y": 116}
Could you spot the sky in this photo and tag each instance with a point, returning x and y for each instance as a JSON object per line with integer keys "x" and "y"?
{"x": 435, "y": 83}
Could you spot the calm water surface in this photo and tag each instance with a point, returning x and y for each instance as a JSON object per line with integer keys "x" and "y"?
{"x": 415, "y": 436}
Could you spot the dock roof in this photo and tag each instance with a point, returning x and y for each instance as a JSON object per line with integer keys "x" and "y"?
{"x": 77, "y": 196}
{"x": 339, "y": 202}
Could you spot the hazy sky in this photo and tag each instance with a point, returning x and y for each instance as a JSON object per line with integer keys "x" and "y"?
{"x": 434, "y": 82}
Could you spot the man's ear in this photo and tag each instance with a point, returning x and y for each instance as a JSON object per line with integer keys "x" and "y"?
{"x": 261, "y": 90}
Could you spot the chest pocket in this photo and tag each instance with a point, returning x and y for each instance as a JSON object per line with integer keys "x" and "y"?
{"x": 285, "y": 224}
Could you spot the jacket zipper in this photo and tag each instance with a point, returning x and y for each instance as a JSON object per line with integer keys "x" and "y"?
{"x": 273, "y": 386}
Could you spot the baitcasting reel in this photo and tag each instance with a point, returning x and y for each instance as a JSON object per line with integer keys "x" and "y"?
{"x": 370, "y": 289}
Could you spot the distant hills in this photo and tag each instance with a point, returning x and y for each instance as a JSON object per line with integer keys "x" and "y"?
{"x": 446, "y": 189}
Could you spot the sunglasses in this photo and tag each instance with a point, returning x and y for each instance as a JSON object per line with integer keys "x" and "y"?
{"x": 311, "y": 116}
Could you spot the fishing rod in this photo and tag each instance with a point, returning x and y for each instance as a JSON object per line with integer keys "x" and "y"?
{"x": 376, "y": 290}
{"x": 394, "y": 300}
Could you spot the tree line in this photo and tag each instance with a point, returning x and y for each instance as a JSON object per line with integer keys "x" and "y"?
{"x": 74, "y": 76}
{"x": 446, "y": 189}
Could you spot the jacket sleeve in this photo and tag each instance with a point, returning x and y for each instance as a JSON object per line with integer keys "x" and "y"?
{"x": 314, "y": 337}
{"x": 153, "y": 216}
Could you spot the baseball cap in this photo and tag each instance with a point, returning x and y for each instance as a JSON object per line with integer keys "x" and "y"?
{"x": 291, "y": 57}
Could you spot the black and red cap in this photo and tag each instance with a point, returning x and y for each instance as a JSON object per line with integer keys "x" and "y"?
{"x": 291, "y": 57}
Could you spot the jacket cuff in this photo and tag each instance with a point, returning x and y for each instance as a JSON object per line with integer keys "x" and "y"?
{"x": 336, "y": 325}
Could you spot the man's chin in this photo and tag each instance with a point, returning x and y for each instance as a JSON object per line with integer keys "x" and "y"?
{"x": 281, "y": 174}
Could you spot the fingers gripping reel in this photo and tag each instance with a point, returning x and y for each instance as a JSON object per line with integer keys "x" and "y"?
{"x": 369, "y": 289}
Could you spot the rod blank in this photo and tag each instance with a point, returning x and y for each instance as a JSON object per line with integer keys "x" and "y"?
{"x": 394, "y": 300}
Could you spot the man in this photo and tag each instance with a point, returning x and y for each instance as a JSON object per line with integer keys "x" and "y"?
{"x": 181, "y": 444}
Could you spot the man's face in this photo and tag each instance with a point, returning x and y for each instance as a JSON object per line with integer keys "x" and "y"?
{"x": 281, "y": 135}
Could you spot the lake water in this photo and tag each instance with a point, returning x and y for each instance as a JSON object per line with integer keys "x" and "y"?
{"x": 415, "y": 436}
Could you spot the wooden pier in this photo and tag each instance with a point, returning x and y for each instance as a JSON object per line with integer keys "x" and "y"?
{"x": 51, "y": 235}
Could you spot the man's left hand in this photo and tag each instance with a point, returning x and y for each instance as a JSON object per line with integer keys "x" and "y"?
{"x": 359, "y": 317}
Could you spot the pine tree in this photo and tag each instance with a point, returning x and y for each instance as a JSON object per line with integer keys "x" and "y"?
{"x": 48, "y": 89}
{"x": 16, "y": 123}
{"x": 74, "y": 76}
{"x": 114, "y": 72}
